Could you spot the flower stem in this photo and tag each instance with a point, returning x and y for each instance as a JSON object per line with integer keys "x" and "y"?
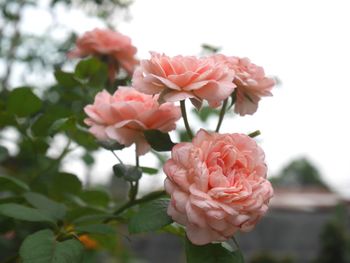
{"x": 221, "y": 116}
{"x": 116, "y": 156}
{"x": 184, "y": 116}
{"x": 236, "y": 243}
{"x": 134, "y": 186}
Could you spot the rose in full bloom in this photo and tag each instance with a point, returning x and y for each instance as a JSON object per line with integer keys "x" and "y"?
{"x": 180, "y": 77}
{"x": 109, "y": 45}
{"x": 251, "y": 82}
{"x": 123, "y": 117}
{"x": 217, "y": 185}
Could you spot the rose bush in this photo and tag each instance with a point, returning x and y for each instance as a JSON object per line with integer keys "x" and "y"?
{"x": 216, "y": 182}
{"x": 217, "y": 185}
{"x": 124, "y": 116}
{"x": 181, "y": 77}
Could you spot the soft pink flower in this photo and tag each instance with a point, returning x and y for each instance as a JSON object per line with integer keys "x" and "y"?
{"x": 251, "y": 82}
{"x": 124, "y": 116}
{"x": 113, "y": 46}
{"x": 217, "y": 185}
{"x": 180, "y": 77}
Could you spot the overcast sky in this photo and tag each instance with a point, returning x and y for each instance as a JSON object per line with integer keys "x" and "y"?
{"x": 306, "y": 44}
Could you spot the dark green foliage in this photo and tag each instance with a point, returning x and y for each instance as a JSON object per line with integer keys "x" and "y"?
{"x": 266, "y": 257}
{"x": 300, "y": 172}
{"x": 23, "y": 102}
{"x": 43, "y": 247}
{"x": 211, "y": 253}
{"x": 158, "y": 140}
{"x": 335, "y": 238}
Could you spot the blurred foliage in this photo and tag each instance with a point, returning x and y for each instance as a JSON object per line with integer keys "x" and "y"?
{"x": 335, "y": 238}
{"x": 266, "y": 257}
{"x": 299, "y": 173}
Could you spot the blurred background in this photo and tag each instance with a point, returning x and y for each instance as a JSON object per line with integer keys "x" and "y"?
{"x": 304, "y": 127}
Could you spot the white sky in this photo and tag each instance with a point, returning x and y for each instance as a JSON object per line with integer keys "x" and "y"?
{"x": 305, "y": 43}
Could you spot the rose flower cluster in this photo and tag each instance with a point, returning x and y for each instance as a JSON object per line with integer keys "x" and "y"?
{"x": 217, "y": 182}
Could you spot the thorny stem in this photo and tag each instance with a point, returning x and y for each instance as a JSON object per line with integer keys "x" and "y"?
{"x": 184, "y": 116}
{"x": 221, "y": 116}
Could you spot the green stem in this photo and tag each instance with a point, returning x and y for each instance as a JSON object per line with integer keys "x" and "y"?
{"x": 184, "y": 116}
{"x": 221, "y": 116}
{"x": 134, "y": 186}
{"x": 236, "y": 243}
{"x": 116, "y": 156}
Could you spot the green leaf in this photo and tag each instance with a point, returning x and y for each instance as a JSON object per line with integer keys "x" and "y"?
{"x": 4, "y": 153}
{"x": 158, "y": 140}
{"x": 211, "y": 253}
{"x": 7, "y": 119}
{"x": 95, "y": 198}
{"x": 92, "y": 218}
{"x": 128, "y": 172}
{"x": 88, "y": 159}
{"x": 96, "y": 229}
{"x": 92, "y": 71}
{"x": 21, "y": 212}
{"x": 65, "y": 183}
{"x": 151, "y": 216}
{"x": 64, "y": 124}
{"x": 66, "y": 79}
{"x": 23, "y": 102}
{"x": 74, "y": 215}
{"x": 49, "y": 207}
{"x": 10, "y": 183}
{"x": 42, "y": 247}
{"x": 149, "y": 170}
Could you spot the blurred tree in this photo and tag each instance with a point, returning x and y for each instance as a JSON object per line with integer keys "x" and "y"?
{"x": 38, "y": 54}
{"x": 335, "y": 238}
{"x": 300, "y": 172}
{"x": 266, "y": 257}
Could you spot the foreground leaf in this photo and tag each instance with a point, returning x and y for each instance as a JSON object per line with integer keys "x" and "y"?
{"x": 22, "y": 212}
{"x": 97, "y": 198}
{"x": 10, "y": 183}
{"x": 211, "y": 253}
{"x": 151, "y": 216}
{"x": 23, "y": 102}
{"x": 42, "y": 247}
{"x": 49, "y": 207}
{"x": 65, "y": 183}
{"x": 149, "y": 170}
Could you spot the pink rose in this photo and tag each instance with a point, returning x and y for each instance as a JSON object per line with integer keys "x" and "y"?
{"x": 181, "y": 77}
{"x": 251, "y": 82}
{"x": 110, "y": 45}
{"x": 217, "y": 185}
{"x": 124, "y": 116}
